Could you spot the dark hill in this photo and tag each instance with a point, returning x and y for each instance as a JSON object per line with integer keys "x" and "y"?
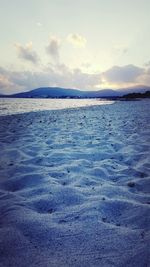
{"x": 56, "y": 92}
{"x": 137, "y": 95}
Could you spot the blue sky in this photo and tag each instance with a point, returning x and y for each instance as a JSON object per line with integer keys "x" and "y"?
{"x": 86, "y": 44}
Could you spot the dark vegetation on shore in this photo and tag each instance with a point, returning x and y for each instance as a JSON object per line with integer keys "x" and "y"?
{"x": 136, "y": 95}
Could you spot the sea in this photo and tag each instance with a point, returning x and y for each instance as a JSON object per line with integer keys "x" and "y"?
{"x": 9, "y": 106}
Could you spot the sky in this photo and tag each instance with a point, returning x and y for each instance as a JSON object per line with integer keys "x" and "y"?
{"x": 84, "y": 44}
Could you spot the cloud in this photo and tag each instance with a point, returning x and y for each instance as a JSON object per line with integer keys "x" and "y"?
{"x": 62, "y": 76}
{"x": 53, "y": 47}
{"x": 39, "y": 24}
{"x": 58, "y": 75}
{"x": 76, "y": 39}
{"x": 7, "y": 85}
{"x": 145, "y": 78}
{"x": 147, "y": 64}
{"x": 17, "y": 81}
{"x": 27, "y": 53}
{"x": 124, "y": 74}
{"x": 4, "y": 84}
{"x": 84, "y": 80}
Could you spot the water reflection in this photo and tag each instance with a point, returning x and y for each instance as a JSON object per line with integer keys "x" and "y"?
{"x": 14, "y": 105}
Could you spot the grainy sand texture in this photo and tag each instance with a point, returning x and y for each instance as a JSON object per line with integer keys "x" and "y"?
{"x": 74, "y": 187}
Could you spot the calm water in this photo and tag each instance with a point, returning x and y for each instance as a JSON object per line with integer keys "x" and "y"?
{"x": 13, "y": 105}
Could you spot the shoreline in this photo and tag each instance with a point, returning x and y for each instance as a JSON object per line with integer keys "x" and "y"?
{"x": 19, "y": 106}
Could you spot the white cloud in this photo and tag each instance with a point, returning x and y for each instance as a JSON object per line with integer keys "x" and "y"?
{"x": 53, "y": 47}
{"x": 39, "y": 24}
{"x": 58, "y": 75}
{"x": 124, "y": 74}
{"x": 62, "y": 76}
{"x": 7, "y": 85}
{"x": 145, "y": 78}
{"x": 147, "y": 64}
{"x": 76, "y": 39}
{"x": 27, "y": 53}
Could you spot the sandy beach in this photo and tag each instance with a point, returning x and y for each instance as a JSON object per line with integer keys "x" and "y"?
{"x": 74, "y": 187}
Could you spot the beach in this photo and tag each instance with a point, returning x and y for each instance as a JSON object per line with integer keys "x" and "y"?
{"x": 74, "y": 187}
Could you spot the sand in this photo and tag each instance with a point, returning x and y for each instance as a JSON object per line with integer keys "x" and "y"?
{"x": 74, "y": 187}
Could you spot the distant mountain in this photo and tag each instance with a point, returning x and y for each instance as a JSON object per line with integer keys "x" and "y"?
{"x": 134, "y": 89}
{"x": 49, "y": 92}
{"x": 102, "y": 93}
{"x": 57, "y": 92}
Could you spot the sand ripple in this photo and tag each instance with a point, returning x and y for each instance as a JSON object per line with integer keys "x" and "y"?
{"x": 75, "y": 186}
